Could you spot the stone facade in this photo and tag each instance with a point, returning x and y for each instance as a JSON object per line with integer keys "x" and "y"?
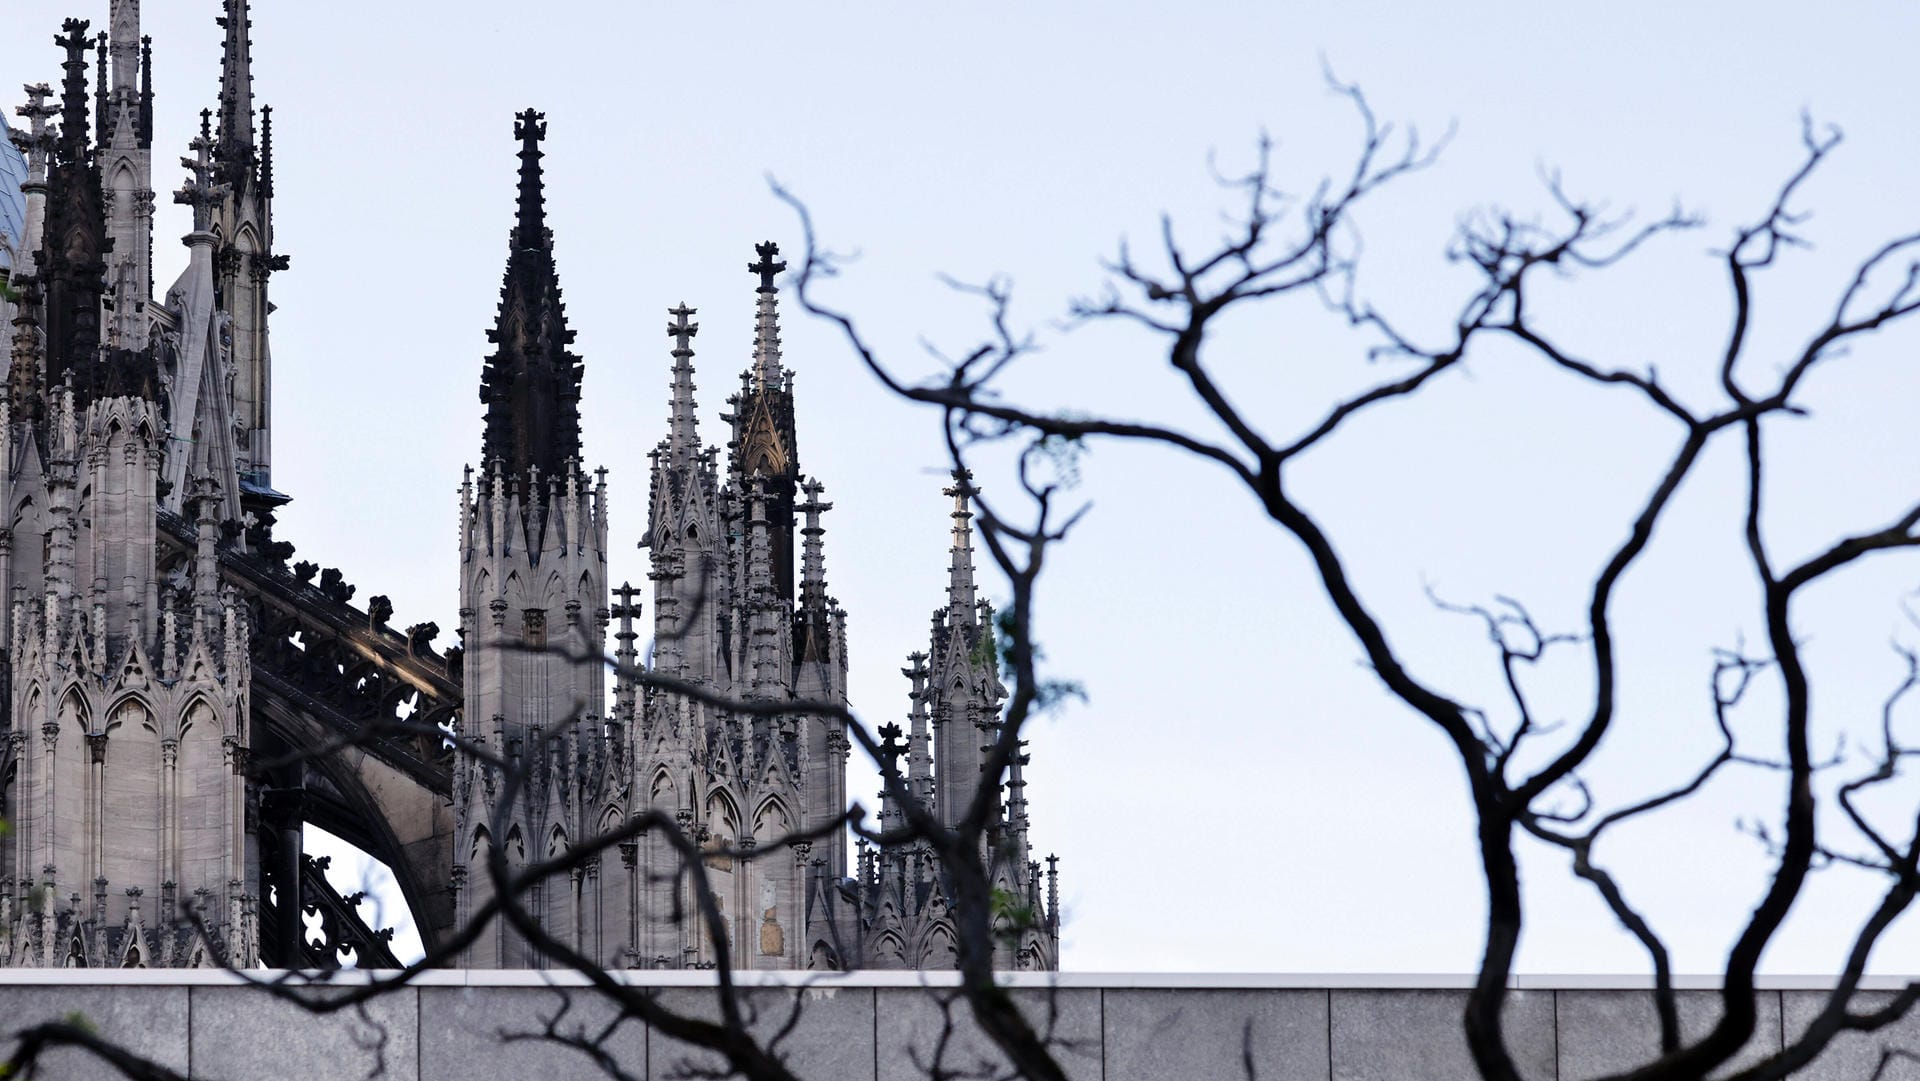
{"x": 155, "y": 635}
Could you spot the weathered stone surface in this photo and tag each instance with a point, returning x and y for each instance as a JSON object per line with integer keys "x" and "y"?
{"x": 1153, "y": 1034}
{"x": 831, "y": 1034}
{"x": 912, "y": 1020}
{"x": 476, "y": 1032}
{"x": 1416, "y": 1035}
{"x": 1603, "y": 1032}
{"x": 1855, "y": 1055}
{"x": 149, "y": 1021}
{"x": 242, "y": 1032}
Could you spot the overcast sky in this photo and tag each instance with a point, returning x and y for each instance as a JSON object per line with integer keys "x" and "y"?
{"x": 1239, "y": 793}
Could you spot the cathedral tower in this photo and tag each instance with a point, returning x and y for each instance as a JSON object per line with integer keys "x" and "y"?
{"x": 127, "y": 681}
{"x": 533, "y": 595}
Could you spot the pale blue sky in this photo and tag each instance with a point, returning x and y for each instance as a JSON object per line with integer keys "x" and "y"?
{"x": 1238, "y": 794}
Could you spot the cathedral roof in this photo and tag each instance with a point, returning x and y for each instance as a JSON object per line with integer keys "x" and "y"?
{"x": 13, "y": 201}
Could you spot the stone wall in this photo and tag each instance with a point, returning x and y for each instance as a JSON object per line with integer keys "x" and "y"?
{"x": 880, "y": 1027}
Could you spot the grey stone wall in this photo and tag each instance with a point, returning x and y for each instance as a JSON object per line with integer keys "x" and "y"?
{"x": 470, "y": 1027}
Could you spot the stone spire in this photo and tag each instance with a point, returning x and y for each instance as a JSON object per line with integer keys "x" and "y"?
{"x": 126, "y": 41}
{"x": 813, "y": 624}
{"x": 1017, "y": 820}
{"x": 72, "y": 263}
{"x": 146, "y": 93}
{"x": 266, "y": 151}
{"x": 531, "y": 383}
{"x": 236, "y": 86}
{"x": 762, "y": 649}
{"x": 244, "y": 263}
{"x": 201, "y": 192}
{"x": 72, "y": 144}
{"x": 625, "y": 688}
{"x": 813, "y": 567}
{"x": 535, "y": 609}
{"x": 766, "y": 321}
{"x": 763, "y": 424}
{"x": 125, "y": 114}
{"x": 919, "y": 741}
{"x": 960, "y": 584}
{"x": 963, "y": 689}
{"x": 37, "y": 143}
{"x": 683, "y": 425}
{"x": 100, "y": 110}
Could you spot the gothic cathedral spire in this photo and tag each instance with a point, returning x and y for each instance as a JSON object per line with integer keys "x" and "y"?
{"x": 126, "y": 125}
{"x": 531, "y": 383}
{"x": 72, "y": 257}
{"x": 236, "y": 86}
{"x": 246, "y": 258}
{"x": 683, "y": 423}
{"x": 764, "y": 451}
{"x": 960, "y": 584}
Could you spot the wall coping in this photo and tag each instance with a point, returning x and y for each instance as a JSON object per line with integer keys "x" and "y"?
{"x": 120, "y": 977}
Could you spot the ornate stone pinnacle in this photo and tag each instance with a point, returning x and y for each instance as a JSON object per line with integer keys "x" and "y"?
{"x": 681, "y": 331}
{"x": 962, "y": 489}
{"x": 201, "y": 191}
{"x": 529, "y": 126}
{"x": 768, "y": 266}
{"x": 626, "y": 609}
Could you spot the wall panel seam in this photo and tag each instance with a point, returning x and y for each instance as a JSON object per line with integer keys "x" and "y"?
{"x": 1329, "y": 994}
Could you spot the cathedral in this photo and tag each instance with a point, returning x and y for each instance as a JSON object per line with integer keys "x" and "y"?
{"x": 183, "y": 696}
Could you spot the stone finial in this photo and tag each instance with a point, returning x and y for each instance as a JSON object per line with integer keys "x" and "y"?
{"x": 768, "y": 265}
{"x": 626, "y": 611}
{"x": 201, "y": 191}
{"x": 682, "y": 331}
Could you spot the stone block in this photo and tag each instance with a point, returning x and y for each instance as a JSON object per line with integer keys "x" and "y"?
{"x": 149, "y": 1021}
{"x": 1856, "y": 1055}
{"x": 1418, "y": 1035}
{"x": 912, "y": 1021}
{"x": 828, "y": 1030}
{"x": 472, "y": 1033}
{"x": 1605, "y": 1032}
{"x": 1161, "y": 1033}
{"x": 245, "y": 1032}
